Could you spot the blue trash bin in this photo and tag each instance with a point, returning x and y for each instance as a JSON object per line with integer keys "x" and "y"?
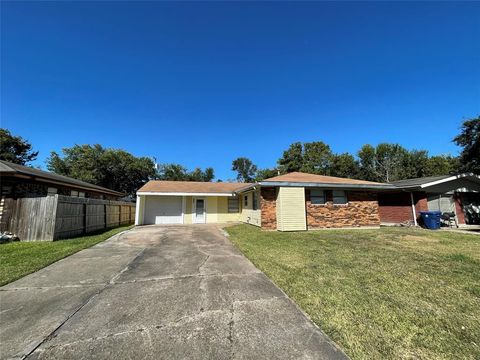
{"x": 431, "y": 219}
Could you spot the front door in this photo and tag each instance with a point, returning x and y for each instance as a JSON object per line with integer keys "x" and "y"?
{"x": 199, "y": 214}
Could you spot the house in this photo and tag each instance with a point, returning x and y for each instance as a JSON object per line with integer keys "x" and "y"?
{"x": 459, "y": 194}
{"x": 40, "y": 205}
{"x": 18, "y": 181}
{"x": 290, "y": 202}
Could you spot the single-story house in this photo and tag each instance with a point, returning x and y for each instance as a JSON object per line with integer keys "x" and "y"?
{"x": 18, "y": 181}
{"x": 459, "y": 194}
{"x": 290, "y": 202}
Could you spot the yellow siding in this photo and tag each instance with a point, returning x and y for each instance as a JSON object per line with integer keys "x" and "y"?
{"x": 187, "y": 215}
{"x": 212, "y": 209}
{"x": 249, "y": 215}
{"x": 222, "y": 211}
{"x": 292, "y": 209}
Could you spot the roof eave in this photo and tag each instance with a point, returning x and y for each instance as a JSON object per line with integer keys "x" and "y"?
{"x": 328, "y": 185}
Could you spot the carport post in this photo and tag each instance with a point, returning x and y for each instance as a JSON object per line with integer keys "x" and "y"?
{"x": 137, "y": 210}
{"x": 414, "y": 213}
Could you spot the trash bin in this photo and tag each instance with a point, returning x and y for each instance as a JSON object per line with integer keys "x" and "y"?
{"x": 431, "y": 219}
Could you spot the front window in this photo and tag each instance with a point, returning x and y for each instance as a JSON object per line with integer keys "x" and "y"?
{"x": 318, "y": 197}
{"x": 255, "y": 201}
{"x": 245, "y": 200}
{"x": 233, "y": 205}
{"x": 339, "y": 197}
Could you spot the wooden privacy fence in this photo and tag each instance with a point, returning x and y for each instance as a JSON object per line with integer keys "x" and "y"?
{"x": 59, "y": 217}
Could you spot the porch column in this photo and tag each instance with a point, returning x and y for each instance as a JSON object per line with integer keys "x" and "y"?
{"x": 414, "y": 212}
{"x": 138, "y": 212}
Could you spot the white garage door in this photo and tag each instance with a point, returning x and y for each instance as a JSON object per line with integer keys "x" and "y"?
{"x": 163, "y": 210}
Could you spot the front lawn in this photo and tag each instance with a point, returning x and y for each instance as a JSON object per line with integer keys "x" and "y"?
{"x": 391, "y": 293}
{"x": 18, "y": 259}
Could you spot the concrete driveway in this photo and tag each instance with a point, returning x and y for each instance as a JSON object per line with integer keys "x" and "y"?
{"x": 171, "y": 292}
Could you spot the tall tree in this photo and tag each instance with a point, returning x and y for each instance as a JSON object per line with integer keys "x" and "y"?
{"x": 15, "y": 149}
{"x": 441, "y": 165}
{"x": 245, "y": 169}
{"x": 177, "y": 172}
{"x": 382, "y": 163}
{"x": 292, "y": 159}
{"x": 316, "y": 158}
{"x": 344, "y": 165}
{"x": 263, "y": 174}
{"x": 112, "y": 168}
{"x": 469, "y": 140}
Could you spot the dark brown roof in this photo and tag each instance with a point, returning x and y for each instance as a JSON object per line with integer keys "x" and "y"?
{"x": 300, "y": 177}
{"x": 8, "y": 168}
{"x": 191, "y": 187}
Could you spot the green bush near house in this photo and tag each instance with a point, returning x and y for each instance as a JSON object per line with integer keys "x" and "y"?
{"x": 391, "y": 293}
{"x": 18, "y": 259}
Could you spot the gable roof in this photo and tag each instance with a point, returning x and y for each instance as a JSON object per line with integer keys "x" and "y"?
{"x": 191, "y": 187}
{"x": 16, "y": 170}
{"x": 311, "y": 180}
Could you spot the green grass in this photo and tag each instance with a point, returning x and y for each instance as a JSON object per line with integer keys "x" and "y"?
{"x": 391, "y": 293}
{"x": 18, "y": 259}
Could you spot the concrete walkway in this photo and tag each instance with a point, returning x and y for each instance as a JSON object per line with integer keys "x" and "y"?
{"x": 172, "y": 292}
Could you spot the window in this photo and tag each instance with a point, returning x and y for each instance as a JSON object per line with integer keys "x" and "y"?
{"x": 233, "y": 205}
{"x": 339, "y": 197}
{"x": 254, "y": 201}
{"x": 74, "y": 193}
{"x": 81, "y": 194}
{"x": 245, "y": 200}
{"x": 51, "y": 191}
{"x": 318, "y": 197}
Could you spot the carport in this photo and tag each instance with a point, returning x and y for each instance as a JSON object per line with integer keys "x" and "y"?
{"x": 459, "y": 194}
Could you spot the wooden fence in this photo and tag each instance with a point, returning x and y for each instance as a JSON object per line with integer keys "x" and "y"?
{"x": 58, "y": 217}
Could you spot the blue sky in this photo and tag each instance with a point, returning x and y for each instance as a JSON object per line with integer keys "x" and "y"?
{"x": 203, "y": 83}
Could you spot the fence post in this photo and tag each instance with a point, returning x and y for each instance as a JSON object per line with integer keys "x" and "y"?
{"x": 105, "y": 214}
{"x": 85, "y": 218}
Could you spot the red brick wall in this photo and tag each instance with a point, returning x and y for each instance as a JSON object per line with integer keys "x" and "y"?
{"x": 361, "y": 210}
{"x": 268, "y": 208}
{"x": 397, "y": 207}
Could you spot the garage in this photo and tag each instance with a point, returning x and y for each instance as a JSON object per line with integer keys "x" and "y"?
{"x": 163, "y": 210}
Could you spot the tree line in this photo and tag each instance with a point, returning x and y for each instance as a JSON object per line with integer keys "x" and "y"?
{"x": 119, "y": 170}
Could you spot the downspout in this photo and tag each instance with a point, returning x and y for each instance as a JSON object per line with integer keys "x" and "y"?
{"x": 414, "y": 212}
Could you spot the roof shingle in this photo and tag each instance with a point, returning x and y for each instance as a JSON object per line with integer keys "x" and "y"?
{"x": 191, "y": 187}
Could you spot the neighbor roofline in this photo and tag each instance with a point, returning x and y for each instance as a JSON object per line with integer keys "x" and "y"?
{"x": 437, "y": 182}
{"x": 327, "y": 185}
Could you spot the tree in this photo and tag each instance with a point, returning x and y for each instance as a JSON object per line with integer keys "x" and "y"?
{"x": 414, "y": 164}
{"x": 316, "y": 158}
{"x": 382, "y": 163}
{"x": 177, "y": 172}
{"x": 292, "y": 159}
{"x": 263, "y": 174}
{"x": 111, "y": 168}
{"x": 344, "y": 165}
{"x": 441, "y": 165}
{"x": 245, "y": 169}
{"x": 15, "y": 149}
{"x": 469, "y": 140}
{"x": 200, "y": 175}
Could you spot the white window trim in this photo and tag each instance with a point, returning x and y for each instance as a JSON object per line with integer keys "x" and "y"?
{"x": 194, "y": 209}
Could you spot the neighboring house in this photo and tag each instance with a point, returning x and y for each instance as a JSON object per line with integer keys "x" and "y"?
{"x": 40, "y": 205}
{"x": 19, "y": 181}
{"x": 295, "y": 201}
{"x": 449, "y": 193}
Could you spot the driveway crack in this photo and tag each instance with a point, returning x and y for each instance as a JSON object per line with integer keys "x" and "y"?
{"x": 53, "y": 333}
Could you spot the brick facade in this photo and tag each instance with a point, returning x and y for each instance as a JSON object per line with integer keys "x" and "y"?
{"x": 268, "y": 208}
{"x": 397, "y": 207}
{"x": 459, "y": 208}
{"x": 361, "y": 210}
